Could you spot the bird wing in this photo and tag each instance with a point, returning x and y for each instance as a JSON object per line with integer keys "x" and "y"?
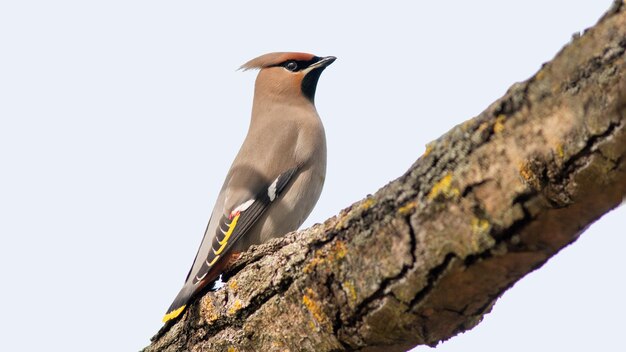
{"x": 235, "y": 225}
{"x": 231, "y": 228}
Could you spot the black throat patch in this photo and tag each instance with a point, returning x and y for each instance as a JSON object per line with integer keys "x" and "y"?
{"x": 309, "y": 83}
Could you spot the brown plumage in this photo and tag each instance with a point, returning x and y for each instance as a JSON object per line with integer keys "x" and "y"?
{"x": 277, "y": 176}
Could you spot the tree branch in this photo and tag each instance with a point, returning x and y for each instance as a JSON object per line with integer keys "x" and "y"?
{"x": 428, "y": 255}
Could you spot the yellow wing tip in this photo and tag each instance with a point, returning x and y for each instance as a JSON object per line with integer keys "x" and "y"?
{"x": 173, "y": 314}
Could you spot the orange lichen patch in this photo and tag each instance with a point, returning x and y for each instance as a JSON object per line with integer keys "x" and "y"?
{"x": 480, "y": 226}
{"x": 429, "y": 148}
{"x": 525, "y": 172}
{"x": 317, "y": 260}
{"x": 232, "y": 349}
{"x": 559, "y": 151}
{"x": 235, "y": 307}
{"x": 367, "y": 203}
{"x": 341, "y": 222}
{"x": 483, "y": 126}
{"x": 208, "y": 310}
{"x": 354, "y": 211}
{"x": 528, "y": 175}
{"x": 339, "y": 250}
{"x": 498, "y": 126}
{"x": 232, "y": 284}
{"x": 350, "y": 293}
{"x": 407, "y": 208}
{"x": 326, "y": 257}
{"x": 310, "y": 301}
{"x": 444, "y": 188}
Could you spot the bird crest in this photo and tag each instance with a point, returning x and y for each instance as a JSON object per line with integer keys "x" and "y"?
{"x": 273, "y": 59}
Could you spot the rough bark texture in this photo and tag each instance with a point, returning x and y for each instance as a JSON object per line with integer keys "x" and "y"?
{"x": 427, "y": 256}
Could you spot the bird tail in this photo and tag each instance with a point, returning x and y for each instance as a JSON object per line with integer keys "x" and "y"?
{"x": 180, "y": 303}
{"x": 190, "y": 289}
{"x": 185, "y": 295}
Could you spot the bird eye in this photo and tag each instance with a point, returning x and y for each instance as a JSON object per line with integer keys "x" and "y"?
{"x": 291, "y": 65}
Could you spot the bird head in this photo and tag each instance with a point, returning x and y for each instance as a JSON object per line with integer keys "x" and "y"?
{"x": 288, "y": 75}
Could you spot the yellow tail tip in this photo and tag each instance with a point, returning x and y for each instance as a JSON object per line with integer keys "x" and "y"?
{"x": 173, "y": 314}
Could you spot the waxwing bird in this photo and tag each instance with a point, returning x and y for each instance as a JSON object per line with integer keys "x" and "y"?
{"x": 278, "y": 174}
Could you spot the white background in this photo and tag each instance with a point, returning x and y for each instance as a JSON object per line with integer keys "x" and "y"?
{"x": 119, "y": 119}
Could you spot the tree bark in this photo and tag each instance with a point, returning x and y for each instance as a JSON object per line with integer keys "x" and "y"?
{"x": 427, "y": 256}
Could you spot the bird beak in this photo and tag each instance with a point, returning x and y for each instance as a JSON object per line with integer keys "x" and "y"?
{"x": 325, "y": 61}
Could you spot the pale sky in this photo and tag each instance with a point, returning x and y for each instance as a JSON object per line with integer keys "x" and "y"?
{"x": 119, "y": 119}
